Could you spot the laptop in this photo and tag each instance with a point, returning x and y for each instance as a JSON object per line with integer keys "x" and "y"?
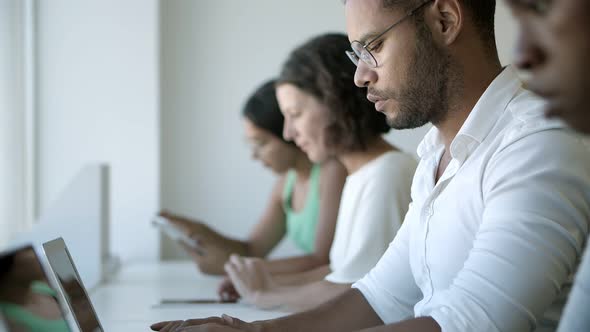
{"x": 71, "y": 286}
{"x": 29, "y": 300}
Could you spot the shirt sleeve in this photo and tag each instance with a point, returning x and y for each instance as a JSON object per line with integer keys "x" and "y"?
{"x": 389, "y": 287}
{"x": 378, "y": 216}
{"x": 575, "y": 316}
{"x": 536, "y": 193}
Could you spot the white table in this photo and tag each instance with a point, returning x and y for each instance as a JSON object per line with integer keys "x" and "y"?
{"x": 129, "y": 300}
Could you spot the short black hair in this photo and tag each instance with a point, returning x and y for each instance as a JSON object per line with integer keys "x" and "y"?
{"x": 321, "y": 68}
{"x": 262, "y": 109}
{"x": 482, "y": 11}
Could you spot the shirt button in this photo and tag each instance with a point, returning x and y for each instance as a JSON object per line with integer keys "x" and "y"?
{"x": 429, "y": 211}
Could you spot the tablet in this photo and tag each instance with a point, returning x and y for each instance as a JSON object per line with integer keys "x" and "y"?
{"x": 176, "y": 233}
{"x": 190, "y": 301}
{"x": 72, "y": 286}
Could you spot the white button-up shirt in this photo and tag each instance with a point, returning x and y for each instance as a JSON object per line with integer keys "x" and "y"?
{"x": 575, "y": 316}
{"x": 490, "y": 245}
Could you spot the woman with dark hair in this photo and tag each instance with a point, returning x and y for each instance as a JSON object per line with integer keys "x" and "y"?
{"x": 303, "y": 204}
{"x": 328, "y": 117}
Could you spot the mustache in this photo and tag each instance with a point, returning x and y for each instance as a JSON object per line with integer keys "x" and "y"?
{"x": 381, "y": 94}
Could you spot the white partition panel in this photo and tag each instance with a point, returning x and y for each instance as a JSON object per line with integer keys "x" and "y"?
{"x": 81, "y": 216}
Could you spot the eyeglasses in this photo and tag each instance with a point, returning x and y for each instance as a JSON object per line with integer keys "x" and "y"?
{"x": 363, "y": 52}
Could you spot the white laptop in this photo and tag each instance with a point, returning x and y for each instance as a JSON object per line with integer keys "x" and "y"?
{"x": 29, "y": 298}
{"x": 71, "y": 285}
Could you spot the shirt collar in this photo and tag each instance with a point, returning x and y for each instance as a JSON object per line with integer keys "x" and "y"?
{"x": 481, "y": 119}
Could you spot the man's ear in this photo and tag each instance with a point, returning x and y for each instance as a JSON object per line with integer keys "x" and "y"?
{"x": 445, "y": 18}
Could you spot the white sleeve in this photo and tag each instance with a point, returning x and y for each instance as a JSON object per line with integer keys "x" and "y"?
{"x": 378, "y": 216}
{"x": 575, "y": 316}
{"x": 389, "y": 287}
{"x": 536, "y": 195}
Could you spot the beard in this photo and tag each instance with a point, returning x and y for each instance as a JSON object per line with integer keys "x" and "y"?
{"x": 425, "y": 96}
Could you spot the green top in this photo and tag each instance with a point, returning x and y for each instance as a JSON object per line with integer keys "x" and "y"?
{"x": 23, "y": 317}
{"x": 302, "y": 225}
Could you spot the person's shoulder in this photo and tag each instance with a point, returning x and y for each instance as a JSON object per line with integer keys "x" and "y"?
{"x": 392, "y": 169}
{"x": 396, "y": 161}
{"x": 281, "y": 182}
{"x": 332, "y": 166}
{"x": 525, "y": 116}
{"x": 526, "y": 137}
{"x": 332, "y": 175}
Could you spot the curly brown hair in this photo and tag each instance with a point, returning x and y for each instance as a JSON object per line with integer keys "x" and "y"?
{"x": 320, "y": 67}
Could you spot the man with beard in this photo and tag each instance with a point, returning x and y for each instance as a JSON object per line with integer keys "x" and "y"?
{"x": 553, "y": 50}
{"x": 499, "y": 210}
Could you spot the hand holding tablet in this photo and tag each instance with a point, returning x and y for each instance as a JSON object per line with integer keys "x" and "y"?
{"x": 176, "y": 234}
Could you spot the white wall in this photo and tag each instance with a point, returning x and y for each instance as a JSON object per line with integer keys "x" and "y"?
{"x": 12, "y": 115}
{"x": 98, "y": 97}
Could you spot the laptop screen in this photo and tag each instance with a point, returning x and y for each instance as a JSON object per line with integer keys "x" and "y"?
{"x": 71, "y": 284}
{"x": 27, "y": 301}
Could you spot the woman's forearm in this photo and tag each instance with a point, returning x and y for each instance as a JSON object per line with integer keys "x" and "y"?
{"x": 302, "y": 278}
{"x": 295, "y": 264}
{"x": 234, "y": 246}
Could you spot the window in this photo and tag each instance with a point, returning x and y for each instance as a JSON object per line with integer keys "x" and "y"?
{"x": 16, "y": 117}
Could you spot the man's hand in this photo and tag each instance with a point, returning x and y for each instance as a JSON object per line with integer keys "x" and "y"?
{"x": 212, "y": 324}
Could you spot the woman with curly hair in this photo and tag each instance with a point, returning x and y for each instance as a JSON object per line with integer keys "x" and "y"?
{"x": 327, "y": 116}
{"x": 302, "y": 206}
